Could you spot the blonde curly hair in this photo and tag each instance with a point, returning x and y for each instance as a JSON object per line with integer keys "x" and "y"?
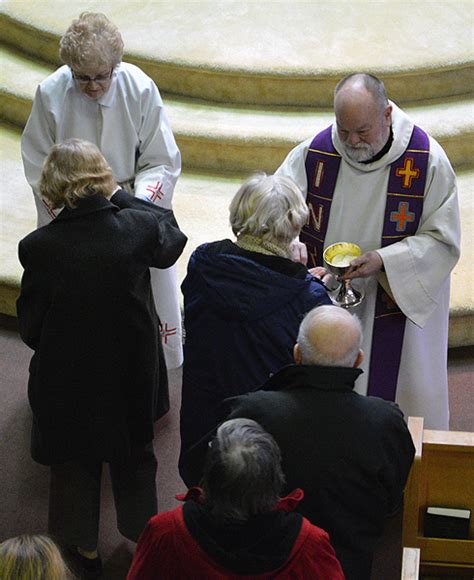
{"x": 74, "y": 170}
{"x": 91, "y": 42}
{"x": 32, "y": 557}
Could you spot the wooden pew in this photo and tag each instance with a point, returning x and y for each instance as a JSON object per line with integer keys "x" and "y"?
{"x": 410, "y": 564}
{"x": 442, "y": 475}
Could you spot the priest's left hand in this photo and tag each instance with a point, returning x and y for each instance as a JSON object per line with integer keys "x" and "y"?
{"x": 364, "y": 266}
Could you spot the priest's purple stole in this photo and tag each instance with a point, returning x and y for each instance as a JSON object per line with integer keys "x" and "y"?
{"x": 403, "y": 210}
{"x": 322, "y": 167}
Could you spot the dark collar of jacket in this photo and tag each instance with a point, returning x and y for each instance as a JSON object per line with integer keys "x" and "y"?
{"x": 256, "y": 546}
{"x": 335, "y": 379}
{"x": 86, "y": 206}
{"x": 277, "y": 263}
{"x": 318, "y": 377}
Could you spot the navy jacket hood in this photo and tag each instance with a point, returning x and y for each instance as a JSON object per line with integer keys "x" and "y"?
{"x": 257, "y": 290}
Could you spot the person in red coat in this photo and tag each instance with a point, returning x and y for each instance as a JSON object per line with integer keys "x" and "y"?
{"x": 236, "y": 525}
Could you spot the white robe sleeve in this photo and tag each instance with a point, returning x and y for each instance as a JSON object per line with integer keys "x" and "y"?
{"x": 418, "y": 266}
{"x": 36, "y": 141}
{"x": 158, "y": 164}
{"x": 294, "y": 166}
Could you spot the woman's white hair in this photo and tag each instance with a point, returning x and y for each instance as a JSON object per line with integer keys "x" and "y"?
{"x": 270, "y": 207}
{"x": 91, "y": 42}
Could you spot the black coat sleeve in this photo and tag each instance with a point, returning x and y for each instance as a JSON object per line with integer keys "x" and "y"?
{"x": 34, "y": 300}
{"x": 171, "y": 240}
{"x": 399, "y": 452}
{"x": 191, "y": 462}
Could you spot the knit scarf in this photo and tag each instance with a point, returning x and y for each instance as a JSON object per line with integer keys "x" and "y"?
{"x": 254, "y": 244}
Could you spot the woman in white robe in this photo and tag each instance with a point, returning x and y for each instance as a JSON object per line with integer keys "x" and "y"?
{"x": 116, "y": 106}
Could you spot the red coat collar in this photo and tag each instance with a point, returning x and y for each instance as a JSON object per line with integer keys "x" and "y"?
{"x": 286, "y": 504}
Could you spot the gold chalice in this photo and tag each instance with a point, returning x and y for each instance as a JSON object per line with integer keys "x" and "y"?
{"x": 337, "y": 258}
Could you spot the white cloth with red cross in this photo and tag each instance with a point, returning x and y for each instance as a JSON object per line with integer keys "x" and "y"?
{"x": 129, "y": 125}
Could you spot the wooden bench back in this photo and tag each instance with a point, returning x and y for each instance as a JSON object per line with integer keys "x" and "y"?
{"x": 442, "y": 475}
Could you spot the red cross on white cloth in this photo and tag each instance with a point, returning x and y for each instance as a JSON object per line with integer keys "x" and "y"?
{"x": 156, "y": 192}
{"x": 165, "y": 332}
{"x": 49, "y": 209}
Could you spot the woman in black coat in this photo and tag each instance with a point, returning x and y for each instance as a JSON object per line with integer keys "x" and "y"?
{"x": 87, "y": 311}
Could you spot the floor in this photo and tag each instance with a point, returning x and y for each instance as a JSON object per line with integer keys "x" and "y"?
{"x": 24, "y": 484}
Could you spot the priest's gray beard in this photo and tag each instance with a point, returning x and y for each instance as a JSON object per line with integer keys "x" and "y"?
{"x": 364, "y": 151}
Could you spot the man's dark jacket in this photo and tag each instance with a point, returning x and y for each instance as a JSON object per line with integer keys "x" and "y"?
{"x": 351, "y": 454}
{"x": 87, "y": 311}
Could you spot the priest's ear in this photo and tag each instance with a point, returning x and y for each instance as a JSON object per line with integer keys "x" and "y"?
{"x": 359, "y": 360}
{"x": 297, "y": 354}
{"x": 387, "y": 115}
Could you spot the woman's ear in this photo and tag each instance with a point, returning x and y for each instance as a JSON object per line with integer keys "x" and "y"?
{"x": 297, "y": 354}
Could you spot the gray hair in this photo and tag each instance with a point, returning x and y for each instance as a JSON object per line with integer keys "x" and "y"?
{"x": 330, "y": 336}
{"x": 270, "y": 207}
{"x": 371, "y": 83}
{"x": 92, "y": 41}
{"x": 243, "y": 475}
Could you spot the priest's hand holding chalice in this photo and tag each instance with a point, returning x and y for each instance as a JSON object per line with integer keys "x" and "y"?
{"x": 339, "y": 259}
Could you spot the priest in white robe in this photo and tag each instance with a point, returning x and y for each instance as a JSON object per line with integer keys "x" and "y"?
{"x": 370, "y": 135}
{"x": 116, "y": 106}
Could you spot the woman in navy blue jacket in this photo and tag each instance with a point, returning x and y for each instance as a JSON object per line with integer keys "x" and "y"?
{"x": 243, "y": 303}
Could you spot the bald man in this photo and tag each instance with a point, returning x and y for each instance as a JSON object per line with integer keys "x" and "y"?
{"x": 375, "y": 179}
{"x": 351, "y": 454}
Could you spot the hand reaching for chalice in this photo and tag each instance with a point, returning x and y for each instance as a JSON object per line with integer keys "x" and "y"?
{"x": 322, "y": 274}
